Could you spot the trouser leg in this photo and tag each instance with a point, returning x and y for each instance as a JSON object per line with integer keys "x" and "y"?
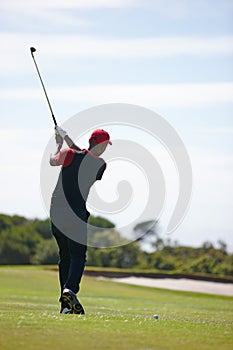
{"x": 64, "y": 256}
{"x": 77, "y": 264}
{"x": 77, "y": 250}
{"x": 72, "y": 259}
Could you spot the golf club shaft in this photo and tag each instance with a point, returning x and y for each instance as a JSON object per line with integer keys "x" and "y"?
{"x": 54, "y": 120}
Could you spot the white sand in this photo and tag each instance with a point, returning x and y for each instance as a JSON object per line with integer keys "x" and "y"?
{"x": 180, "y": 284}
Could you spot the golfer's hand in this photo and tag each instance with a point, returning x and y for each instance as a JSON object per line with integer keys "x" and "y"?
{"x": 59, "y": 131}
{"x": 59, "y": 140}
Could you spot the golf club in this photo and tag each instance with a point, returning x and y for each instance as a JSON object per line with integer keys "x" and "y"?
{"x": 32, "y": 49}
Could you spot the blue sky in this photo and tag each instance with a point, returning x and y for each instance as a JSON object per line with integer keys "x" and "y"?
{"x": 174, "y": 57}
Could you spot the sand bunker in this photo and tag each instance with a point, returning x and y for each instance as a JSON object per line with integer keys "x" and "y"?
{"x": 181, "y": 284}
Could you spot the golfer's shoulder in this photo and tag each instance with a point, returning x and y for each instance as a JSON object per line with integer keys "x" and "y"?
{"x": 66, "y": 156}
{"x": 93, "y": 157}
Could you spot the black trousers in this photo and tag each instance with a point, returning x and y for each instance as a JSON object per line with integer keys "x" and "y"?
{"x": 72, "y": 259}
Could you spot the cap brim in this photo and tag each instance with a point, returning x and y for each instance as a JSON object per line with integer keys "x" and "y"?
{"x": 110, "y": 142}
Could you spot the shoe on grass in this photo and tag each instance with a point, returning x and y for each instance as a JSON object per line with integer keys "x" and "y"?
{"x": 70, "y": 298}
{"x": 65, "y": 308}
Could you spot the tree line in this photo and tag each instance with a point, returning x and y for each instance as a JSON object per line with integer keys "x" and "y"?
{"x": 27, "y": 241}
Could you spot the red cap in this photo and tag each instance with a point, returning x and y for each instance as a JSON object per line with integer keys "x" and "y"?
{"x": 100, "y": 136}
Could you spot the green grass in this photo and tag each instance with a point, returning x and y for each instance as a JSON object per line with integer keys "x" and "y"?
{"x": 117, "y": 316}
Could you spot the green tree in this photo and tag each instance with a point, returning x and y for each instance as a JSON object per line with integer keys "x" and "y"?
{"x": 18, "y": 244}
{"x": 46, "y": 253}
{"x": 5, "y": 222}
{"x": 42, "y": 227}
{"x": 99, "y": 222}
{"x": 126, "y": 256}
{"x": 106, "y": 238}
{"x": 222, "y": 246}
{"x": 146, "y": 230}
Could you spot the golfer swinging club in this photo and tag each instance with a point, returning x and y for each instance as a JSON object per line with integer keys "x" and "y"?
{"x": 68, "y": 213}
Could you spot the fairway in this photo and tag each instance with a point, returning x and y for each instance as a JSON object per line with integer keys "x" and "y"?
{"x": 117, "y": 316}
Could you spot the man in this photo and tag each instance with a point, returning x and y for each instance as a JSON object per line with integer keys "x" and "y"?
{"x": 68, "y": 213}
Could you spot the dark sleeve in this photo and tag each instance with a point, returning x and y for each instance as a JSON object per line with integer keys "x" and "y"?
{"x": 101, "y": 171}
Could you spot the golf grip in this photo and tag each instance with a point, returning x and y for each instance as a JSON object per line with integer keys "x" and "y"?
{"x": 54, "y": 120}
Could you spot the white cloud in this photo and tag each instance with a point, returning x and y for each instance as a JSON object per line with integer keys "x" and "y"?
{"x": 52, "y": 11}
{"x": 139, "y": 48}
{"x": 23, "y": 5}
{"x": 210, "y": 213}
{"x": 165, "y": 95}
{"x": 180, "y": 9}
{"x": 208, "y": 160}
{"x": 61, "y": 18}
{"x": 14, "y": 48}
{"x": 20, "y": 171}
{"x": 213, "y": 131}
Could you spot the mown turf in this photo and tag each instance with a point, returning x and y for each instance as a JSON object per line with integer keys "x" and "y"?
{"x": 117, "y": 316}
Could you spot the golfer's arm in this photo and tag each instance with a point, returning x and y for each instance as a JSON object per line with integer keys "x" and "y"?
{"x": 52, "y": 160}
{"x": 71, "y": 144}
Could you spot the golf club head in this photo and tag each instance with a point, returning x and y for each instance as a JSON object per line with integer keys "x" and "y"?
{"x": 32, "y": 49}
